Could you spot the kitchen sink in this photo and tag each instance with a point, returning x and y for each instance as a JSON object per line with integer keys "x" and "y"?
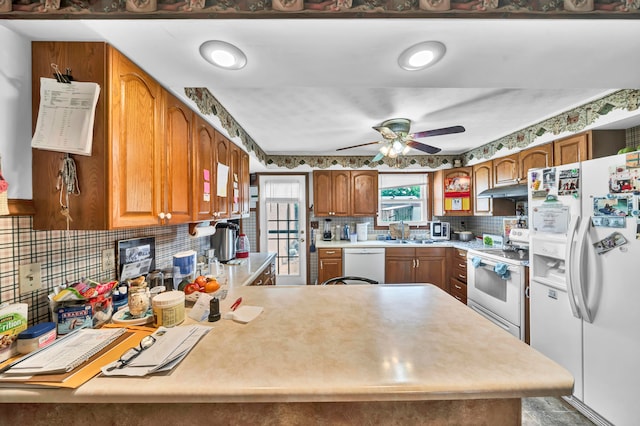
{"x": 412, "y": 242}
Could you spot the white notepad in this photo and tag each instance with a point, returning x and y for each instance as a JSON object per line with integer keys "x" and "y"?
{"x": 67, "y": 353}
{"x": 244, "y": 314}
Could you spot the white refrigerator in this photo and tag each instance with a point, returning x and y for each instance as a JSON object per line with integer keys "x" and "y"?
{"x": 585, "y": 280}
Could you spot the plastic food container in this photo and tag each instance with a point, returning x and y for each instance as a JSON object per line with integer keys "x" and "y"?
{"x": 36, "y": 337}
{"x": 168, "y": 309}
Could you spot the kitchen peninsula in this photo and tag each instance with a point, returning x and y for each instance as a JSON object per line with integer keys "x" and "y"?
{"x": 401, "y": 354}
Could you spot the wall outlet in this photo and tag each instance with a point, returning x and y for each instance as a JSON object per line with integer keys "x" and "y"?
{"x": 30, "y": 278}
{"x": 108, "y": 260}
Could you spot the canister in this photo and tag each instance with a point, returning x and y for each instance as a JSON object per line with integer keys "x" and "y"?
{"x": 36, "y": 337}
{"x": 168, "y": 309}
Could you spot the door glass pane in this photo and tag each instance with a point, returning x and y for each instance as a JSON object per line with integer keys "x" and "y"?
{"x": 283, "y": 236}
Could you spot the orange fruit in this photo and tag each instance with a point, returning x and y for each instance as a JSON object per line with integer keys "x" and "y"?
{"x": 211, "y": 286}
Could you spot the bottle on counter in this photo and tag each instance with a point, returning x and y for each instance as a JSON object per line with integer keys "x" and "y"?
{"x": 242, "y": 246}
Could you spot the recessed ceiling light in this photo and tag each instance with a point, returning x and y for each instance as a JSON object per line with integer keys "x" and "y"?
{"x": 421, "y": 55}
{"x": 223, "y": 54}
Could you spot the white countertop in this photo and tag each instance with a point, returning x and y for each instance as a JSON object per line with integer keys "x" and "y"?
{"x": 393, "y": 243}
{"x": 245, "y": 272}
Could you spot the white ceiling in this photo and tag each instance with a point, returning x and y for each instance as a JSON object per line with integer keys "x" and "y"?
{"x": 312, "y": 86}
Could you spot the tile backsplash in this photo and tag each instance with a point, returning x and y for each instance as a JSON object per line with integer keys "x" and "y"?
{"x": 67, "y": 257}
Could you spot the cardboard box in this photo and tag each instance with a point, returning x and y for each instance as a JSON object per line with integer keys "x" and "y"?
{"x": 14, "y": 318}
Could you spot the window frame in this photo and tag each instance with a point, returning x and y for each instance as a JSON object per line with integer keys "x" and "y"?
{"x": 427, "y": 212}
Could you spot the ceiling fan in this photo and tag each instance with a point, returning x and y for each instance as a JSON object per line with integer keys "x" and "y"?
{"x": 398, "y": 140}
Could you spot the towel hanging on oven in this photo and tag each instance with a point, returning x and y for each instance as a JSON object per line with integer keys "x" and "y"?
{"x": 502, "y": 269}
{"x": 476, "y": 261}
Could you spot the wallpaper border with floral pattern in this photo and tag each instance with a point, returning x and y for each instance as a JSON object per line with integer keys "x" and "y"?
{"x": 268, "y": 9}
{"x": 572, "y": 121}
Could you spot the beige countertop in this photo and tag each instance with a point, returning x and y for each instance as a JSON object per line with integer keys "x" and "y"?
{"x": 338, "y": 344}
{"x": 247, "y": 270}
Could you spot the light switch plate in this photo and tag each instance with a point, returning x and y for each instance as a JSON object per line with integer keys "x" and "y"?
{"x": 108, "y": 260}
{"x": 30, "y": 278}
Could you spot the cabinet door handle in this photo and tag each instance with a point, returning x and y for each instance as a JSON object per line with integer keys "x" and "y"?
{"x": 414, "y": 263}
{"x": 458, "y": 297}
{"x": 321, "y": 265}
{"x": 161, "y": 215}
{"x": 331, "y": 252}
{"x": 457, "y": 287}
{"x": 417, "y": 263}
{"x": 462, "y": 265}
{"x": 168, "y": 216}
{"x": 464, "y": 277}
{"x": 259, "y": 282}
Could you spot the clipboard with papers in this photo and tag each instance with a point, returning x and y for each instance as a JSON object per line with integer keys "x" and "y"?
{"x": 81, "y": 374}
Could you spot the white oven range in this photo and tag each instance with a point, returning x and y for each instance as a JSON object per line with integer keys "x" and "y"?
{"x": 498, "y": 296}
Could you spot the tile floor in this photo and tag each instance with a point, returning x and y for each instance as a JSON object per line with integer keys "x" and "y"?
{"x": 551, "y": 412}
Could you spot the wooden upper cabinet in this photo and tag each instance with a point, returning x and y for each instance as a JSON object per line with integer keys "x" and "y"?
{"x": 331, "y": 192}
{"x": 177, "y": 194}
{"x": 122, "y": 183}
{"x": 341, "y": 192}
{"x": 505, "y": 170}
{"x": 364, "y": 193}
{"x": 234, "y": 180}
{"x": 588, "y": 145}
{"x": 437, "y": 193}
{"x": 203, "y": 171}
{"x": 222, "y": 203}
{"x": 245, "y": 196}
{"x": 482, "y": 180}
{"x": 534, "y": 158}
{"x": 136, "y": 145}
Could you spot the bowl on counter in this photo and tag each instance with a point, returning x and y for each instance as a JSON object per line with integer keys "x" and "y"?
{"x": 465, "y": 235}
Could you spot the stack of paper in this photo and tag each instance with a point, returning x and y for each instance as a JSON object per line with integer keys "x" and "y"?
{"x": 170, "y": 347}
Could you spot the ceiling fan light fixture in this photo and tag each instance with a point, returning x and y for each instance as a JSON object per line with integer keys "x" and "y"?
{"x": 406, "y": 150}
{"x": 421, "y": 55}
{"x": 397, "y": 147}
{"x": 223, "y": 55}
{"x": 384, "y": 150}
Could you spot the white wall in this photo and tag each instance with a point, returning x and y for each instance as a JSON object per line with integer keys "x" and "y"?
{"x": 15, "y": 112}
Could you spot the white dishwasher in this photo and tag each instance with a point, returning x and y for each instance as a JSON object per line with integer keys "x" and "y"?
{"x": 364, "y": 262}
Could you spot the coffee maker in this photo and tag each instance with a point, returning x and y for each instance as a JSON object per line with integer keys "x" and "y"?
{"x": 224, "y": 241}
{"x": 327, "y": 235}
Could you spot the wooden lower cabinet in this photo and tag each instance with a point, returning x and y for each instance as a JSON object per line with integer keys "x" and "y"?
{"x": 268, "y": 275}
{"x": 329, "y": 264}
{"x": 416, "y": 265}
{"x": 458, "y": 277}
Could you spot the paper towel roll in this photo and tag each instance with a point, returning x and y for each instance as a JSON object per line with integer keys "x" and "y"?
{"x": 202, "y": 231}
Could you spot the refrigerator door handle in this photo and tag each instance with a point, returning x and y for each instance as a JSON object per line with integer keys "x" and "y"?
{"x": 579, "y": 266}
{"x": 573, "y": 225}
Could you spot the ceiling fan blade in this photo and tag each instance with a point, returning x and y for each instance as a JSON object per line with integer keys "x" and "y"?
{"x": 386, "y": 132}
{"x": 379, "y": 156}
{"x": 423, "y": 147}
{"x": 438, "y": 132}
{"x": 359, "y": 145}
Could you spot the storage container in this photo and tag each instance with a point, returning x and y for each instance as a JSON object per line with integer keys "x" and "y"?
{"x": 36, "y": 337}
{"x": 168, "y": 309}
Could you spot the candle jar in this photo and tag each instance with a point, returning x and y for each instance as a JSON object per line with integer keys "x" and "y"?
{"x": 139, "y": 300}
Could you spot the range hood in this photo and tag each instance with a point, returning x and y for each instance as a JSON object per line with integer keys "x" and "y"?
{"x": 516, "y": 192}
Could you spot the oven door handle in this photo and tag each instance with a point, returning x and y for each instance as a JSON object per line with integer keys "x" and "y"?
{"x": 489, "y": 264}
{"x": 490, "y": 316}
